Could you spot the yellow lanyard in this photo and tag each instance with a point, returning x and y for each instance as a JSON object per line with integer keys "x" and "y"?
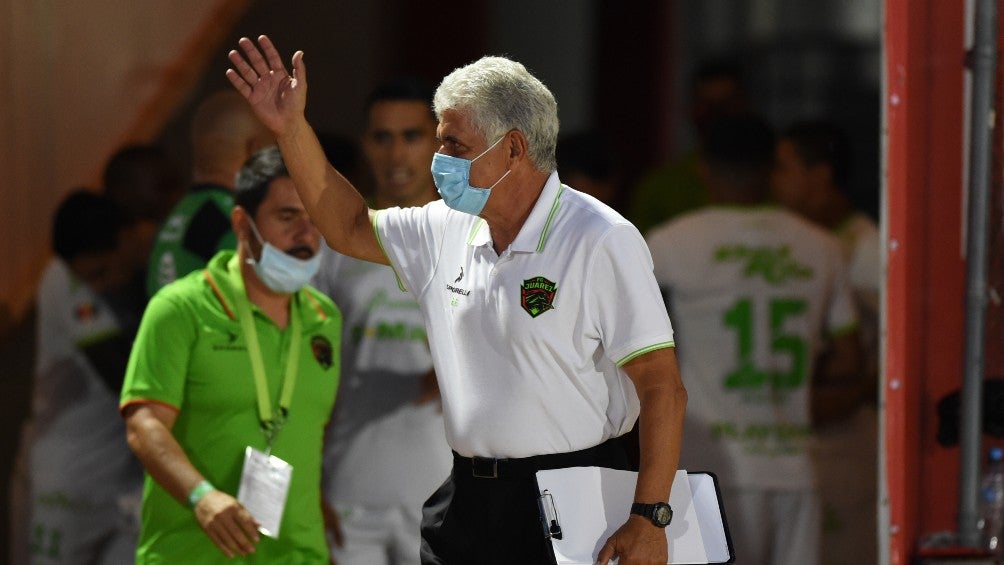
{"x": 271, "y": 423}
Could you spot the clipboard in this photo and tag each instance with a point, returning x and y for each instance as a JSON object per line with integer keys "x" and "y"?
{"x": 585, "y": 505}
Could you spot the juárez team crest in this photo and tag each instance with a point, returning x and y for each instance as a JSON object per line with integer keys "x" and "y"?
{"x": 537, "y": 295}
{"x": 322, "y": 350}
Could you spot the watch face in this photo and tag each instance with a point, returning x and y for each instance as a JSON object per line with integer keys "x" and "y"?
{"x": 663, "y": 514}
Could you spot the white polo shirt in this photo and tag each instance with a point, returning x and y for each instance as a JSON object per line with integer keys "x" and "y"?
{"x": 528, "y": 346}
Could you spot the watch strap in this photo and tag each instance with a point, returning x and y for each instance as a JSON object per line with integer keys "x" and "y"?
{"x": 642, "y": 509}
{"x": 650, "y": 511}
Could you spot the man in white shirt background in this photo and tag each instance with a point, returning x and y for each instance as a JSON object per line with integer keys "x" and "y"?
{"x": 386, "y": 364}
{"x": 754, "y": 290}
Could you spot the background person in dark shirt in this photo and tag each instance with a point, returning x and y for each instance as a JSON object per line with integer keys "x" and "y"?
{"x": 224, "y": 134}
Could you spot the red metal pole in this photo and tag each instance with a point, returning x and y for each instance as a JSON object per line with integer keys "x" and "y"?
{"x": 924, "y": 316}
{"x": 903, "y": 104}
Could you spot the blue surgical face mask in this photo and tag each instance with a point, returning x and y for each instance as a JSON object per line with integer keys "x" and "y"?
{"x": 452, "y": 176}
{"x": 281, "y": 271}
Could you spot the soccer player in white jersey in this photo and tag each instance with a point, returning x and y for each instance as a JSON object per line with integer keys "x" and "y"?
{"x": 753, "y": 290}
{"x": 390, "y": 467}
{"x": 385, "y": 353}
{"x": 811, "y": 178}
{"x": 537, "y": 300}
{"x": 81, "y": 471}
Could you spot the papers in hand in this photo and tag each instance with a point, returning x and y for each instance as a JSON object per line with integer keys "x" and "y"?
{"x": 592, "y": 502}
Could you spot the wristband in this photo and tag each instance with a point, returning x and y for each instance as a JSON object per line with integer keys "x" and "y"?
{"x": 200, "y": 490}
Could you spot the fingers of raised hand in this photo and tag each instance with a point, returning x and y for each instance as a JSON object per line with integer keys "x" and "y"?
{"x": 299, "y": 69}
{"x": 271, "y": 54}
{"x": 243, "y": 69}
{"x": 255, "y": 58}
{"x": 239, "y": 83}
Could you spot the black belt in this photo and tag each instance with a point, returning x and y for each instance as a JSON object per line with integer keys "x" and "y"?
{"x": 607, "y": 454}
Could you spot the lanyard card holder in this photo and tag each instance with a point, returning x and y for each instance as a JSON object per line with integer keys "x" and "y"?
{"x": 264, "y": 488}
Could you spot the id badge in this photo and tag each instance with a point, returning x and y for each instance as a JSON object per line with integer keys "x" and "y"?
{"x": 264, "y": 488}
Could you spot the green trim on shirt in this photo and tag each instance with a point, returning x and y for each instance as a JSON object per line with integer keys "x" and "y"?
{"x": 550, "y": 217}
{"x": 376, "y": 231}
{"x": 474, "y": 230}
{"x": 644, "y": 350}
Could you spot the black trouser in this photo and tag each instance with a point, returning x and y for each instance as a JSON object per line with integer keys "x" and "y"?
{"x": 486, "y": 512}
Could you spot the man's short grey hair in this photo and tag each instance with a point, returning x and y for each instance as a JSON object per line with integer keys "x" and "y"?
{"x": 500, "y": 95}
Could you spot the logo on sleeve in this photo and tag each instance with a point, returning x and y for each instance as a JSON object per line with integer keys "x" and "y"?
{"x": 537, "y": 295}
{"x": 321, "y": 348}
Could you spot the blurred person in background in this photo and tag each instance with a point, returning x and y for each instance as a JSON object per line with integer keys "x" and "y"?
{"x": 89, "y": 307}
{"x": 717, "y": 89}
{"x": 82, "y": 478}
{"x": 224, "y": 135}
{"x": 754, "y": 291}
{"x": 810, "y": 178}
{"x": 391, "y": 466}
{"x": 385, "y": 350}
{"x": 144, "y": 180}
{"x": 588, "y": 161}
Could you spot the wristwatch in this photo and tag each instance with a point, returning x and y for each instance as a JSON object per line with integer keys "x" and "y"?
{"x": 660, "y": 513}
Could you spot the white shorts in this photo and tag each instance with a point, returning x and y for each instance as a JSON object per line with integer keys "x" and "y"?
{"x": 378, "y": 535}
{"x": 846, "y": 462}
{"x": 68, "y": 528}
{"x": 83, "y": 501}
{"x": 774, "y": 527}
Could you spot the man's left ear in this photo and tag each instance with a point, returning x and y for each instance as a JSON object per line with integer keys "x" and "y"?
{"x": 517, "y": 145}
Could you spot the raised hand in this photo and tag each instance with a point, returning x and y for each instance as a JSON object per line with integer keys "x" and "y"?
{"x": 227, "y": 523}
{"x": 278, "y": 98}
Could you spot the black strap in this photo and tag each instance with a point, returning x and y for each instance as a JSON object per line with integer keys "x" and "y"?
{"x": 607, "y": 454}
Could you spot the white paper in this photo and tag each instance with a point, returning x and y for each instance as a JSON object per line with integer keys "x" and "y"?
{"x": 264, "y": 489}
{"x": 709, "y": 516}
{"x": 592, "y": 502}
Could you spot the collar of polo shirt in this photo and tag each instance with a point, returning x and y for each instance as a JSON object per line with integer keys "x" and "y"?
{"x": 532, "y": 237}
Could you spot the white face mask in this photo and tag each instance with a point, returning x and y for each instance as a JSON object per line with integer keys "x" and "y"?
{"x": 281, "y": 271}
